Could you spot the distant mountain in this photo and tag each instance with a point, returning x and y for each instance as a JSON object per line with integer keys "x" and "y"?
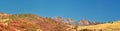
{"x": 84, "y": 22}
{"x": 68, "y": 21}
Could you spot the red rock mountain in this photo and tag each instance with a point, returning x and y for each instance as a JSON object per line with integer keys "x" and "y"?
{"x": 29, "y": 22}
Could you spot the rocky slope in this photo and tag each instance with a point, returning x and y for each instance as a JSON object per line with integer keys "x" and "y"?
{"x": 29, "y": 22}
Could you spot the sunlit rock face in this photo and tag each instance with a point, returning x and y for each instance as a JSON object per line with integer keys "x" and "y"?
{"x": 68, "y": 21}
{"x": 83, "y": 22}
{"x": 59, "y": 19}
{"x": 71, "y": 21}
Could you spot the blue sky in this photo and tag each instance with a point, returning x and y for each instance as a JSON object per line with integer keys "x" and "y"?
{"x": 94, "y": 10}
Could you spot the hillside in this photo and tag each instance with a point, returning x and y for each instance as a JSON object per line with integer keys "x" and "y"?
{"x": 115, "y": 26}
{"x": 29, "y": 22}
